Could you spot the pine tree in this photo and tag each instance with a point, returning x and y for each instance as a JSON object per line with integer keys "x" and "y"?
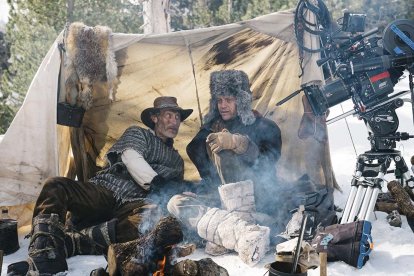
{"x": 33, "y": 27}
{"x": 34, "y": 24}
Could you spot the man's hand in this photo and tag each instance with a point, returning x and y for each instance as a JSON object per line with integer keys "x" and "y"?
{"x": 226, "y": 141}
{"x": 220, "y": 141}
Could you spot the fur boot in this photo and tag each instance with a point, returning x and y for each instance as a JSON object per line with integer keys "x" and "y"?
{"x": 47, "y": 246}
{"x": 238, "y": 198}
{"x": 226, "y": 229}
{"x": 92, "y": 240}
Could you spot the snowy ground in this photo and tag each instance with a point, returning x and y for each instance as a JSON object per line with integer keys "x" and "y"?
{"x": 393, "y": 247}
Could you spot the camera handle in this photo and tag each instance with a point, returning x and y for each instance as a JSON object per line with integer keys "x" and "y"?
{"x": 368, "y": 182}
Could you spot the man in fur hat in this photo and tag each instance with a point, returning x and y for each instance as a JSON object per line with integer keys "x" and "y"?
{"x": 238, "y": 148}
{"x": 110, "y": 206}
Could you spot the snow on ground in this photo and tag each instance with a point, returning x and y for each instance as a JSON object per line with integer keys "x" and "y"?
{"x": 393, "y": 247}
{"x": 393, "y": 255}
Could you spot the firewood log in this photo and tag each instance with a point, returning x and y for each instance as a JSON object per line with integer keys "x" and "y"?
{"x": 402, "y": 198}
{"x": 387, "y": 207}
{"x": 141, "y": 256}
{"x": 409, "y": 192}
{"x": 203, "y": 267}
{"x": 119, "y": 254}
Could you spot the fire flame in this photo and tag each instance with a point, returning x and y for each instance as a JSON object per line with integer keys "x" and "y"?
{"x": 161, "y": 266}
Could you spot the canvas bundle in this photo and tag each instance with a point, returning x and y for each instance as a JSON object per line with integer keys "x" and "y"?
{"x": 350, "y": 242}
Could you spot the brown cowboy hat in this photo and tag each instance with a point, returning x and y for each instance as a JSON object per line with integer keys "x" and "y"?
{"x": 163, "y": 103}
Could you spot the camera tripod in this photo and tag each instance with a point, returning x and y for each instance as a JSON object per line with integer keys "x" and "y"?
{"x": 368, "y": 180}
{"x": 373, "y": 165}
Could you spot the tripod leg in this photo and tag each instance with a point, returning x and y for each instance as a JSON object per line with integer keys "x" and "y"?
{"x": 371, "y": 205}
{"x": 351, "y": 197}
{"x": 366, "y": 202}
{"x": 357, "y": 203}
{"x": 349, "y": 203}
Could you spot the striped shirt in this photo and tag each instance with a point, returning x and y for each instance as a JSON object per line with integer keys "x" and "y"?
{"x": 162, "y": 157}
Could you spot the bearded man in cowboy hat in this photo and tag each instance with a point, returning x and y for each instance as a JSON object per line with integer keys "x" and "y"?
{"x": 237, "y": 148}
{"x": 111, "y": 205}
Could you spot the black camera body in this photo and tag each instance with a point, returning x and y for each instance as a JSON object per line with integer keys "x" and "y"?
{"x": 364, "y": 71}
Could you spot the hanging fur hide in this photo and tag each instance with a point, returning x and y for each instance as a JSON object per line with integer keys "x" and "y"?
{"x": 89, "y": 59}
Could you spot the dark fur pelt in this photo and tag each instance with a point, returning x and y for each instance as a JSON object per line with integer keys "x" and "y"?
{"x": 231, "y": 83}
{"x": 89, "y": 59}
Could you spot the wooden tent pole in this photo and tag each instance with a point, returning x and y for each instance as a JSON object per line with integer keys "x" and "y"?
{"x": 83, "y": 152}
{"x": 195, "y": 80}
{"x": 1, "y": 260}
{"x": 77, "y": 138}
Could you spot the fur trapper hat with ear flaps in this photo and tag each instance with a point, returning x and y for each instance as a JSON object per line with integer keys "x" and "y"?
{"x": 163, "y": 103}
{"x": 231, "y": 83}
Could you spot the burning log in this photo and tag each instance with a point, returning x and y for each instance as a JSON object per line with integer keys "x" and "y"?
{"x": 183, "y": 250}
{"x": 143, "y": 256}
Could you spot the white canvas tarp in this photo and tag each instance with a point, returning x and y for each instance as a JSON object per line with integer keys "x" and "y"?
{"x": 177, "y": 64}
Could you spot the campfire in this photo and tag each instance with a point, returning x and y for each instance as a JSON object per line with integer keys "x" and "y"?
{"x": 149, "y": 254}
{"x": 156, "y": 253}
{"x": 161, "y": 267}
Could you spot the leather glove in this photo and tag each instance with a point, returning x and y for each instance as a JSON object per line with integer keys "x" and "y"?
{"x": 157, "y": 183}
{"x": 226, "y": 141}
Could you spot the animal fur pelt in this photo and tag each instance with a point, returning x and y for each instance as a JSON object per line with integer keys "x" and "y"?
{"x": 231, "y": 83}
{"x": 89, "y": 59}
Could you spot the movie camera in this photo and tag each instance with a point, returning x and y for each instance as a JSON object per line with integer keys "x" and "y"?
{"x": 365, "y": 67}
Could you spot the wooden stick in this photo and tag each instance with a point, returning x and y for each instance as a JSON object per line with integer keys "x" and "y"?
{"x": 1, "y": 260}
{"x": 76, "y": 150}
{"x": 300, "y": 239}
{"x": 323, "y": 257}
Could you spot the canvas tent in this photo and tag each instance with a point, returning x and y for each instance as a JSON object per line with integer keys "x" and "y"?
{"x": 177, "y": 64}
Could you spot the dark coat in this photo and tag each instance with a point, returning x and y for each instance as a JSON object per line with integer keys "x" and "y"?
{"x": 265, "y": 139}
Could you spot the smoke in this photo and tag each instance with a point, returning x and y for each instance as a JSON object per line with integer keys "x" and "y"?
{"x": 279, "y": 187}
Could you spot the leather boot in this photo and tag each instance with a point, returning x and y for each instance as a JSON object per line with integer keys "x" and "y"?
{"x": 47, "y": 246}
{"x": 18, "y": 268}
{"x": 77, "y": 243}
{"x": 93, "y": 240}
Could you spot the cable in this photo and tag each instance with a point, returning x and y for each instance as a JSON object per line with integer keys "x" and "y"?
{"x": 302, "y": 26}
{"x": 349, "y": 132}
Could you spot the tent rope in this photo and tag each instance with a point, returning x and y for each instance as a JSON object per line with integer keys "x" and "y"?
{"x": 195, "y": 79}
